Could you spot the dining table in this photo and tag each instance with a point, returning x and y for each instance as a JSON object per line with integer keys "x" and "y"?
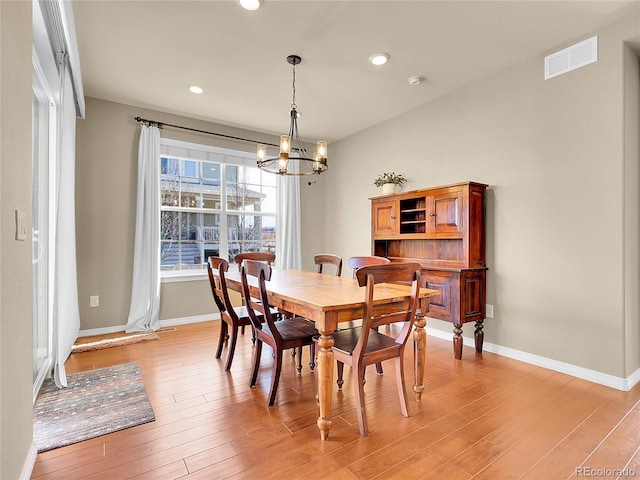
{"x": 329, "y": 300}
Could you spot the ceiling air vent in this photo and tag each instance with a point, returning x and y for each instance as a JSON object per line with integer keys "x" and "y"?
{"x": 570, "y": 58}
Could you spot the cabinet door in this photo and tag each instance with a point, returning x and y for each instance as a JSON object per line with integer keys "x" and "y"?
{"x": 384, "y": 218}
{"x": 447, "y": 211}
{"x": 439, "y": 305}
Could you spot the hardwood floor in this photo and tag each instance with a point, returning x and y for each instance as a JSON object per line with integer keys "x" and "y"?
{"x": 485, "y": 417}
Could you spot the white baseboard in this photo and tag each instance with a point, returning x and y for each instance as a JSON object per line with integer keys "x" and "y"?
{"x": 619, "y": 383}
{"x": 170, "y": 322}
{"x": 29, "y": 462}
{"x": 100, "y": 331}
{"x": 624, "y": 384}
{"x": 164, "y": 323}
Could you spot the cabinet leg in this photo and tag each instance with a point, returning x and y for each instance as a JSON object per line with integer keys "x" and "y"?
{"x": 457, "y": 341}
{"x": 479, "y": 336}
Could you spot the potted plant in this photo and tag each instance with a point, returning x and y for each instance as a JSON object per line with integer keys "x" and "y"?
{"x": 388, "y": 182}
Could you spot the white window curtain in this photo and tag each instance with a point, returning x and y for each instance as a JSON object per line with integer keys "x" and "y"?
{"x": 66, "y": 315}
{"x": 145, "y": 290}
{"x": 288, "y": 230}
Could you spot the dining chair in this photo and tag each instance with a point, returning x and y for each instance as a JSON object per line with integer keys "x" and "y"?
{"x": 280, "y": 335}
{"x": 358, "y": 262}
{"x": 269, "y": 258}
{"x": 363, "y": 346}
{"x": 232, "y": 317}
{"x": 323, "y": 259}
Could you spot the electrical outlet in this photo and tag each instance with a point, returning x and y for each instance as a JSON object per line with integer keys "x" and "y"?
{"x": 94, "y": 301}
{"x": 489, "y": 311}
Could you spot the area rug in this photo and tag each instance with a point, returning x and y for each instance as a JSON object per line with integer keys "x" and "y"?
{"x": 108, "y": 340}
{"x": 94, "y": 403}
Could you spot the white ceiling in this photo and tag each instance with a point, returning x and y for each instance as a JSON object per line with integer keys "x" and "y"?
{"x": 146, "y": 53}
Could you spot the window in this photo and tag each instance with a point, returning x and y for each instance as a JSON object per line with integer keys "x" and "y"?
{"x": 201, "y": 215}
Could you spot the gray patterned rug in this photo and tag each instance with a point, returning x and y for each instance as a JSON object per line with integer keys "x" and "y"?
{"x": 95, "y": 403}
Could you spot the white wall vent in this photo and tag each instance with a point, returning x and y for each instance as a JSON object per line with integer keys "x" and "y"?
{"x": 570, "y": 58}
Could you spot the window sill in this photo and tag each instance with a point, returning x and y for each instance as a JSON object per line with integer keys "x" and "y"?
{"x": 183, "y": 277}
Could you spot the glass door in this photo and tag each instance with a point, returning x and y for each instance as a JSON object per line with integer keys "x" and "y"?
{"x": 43, "y": 106}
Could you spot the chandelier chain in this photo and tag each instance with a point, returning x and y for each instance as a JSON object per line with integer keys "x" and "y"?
{"x": 293, "y": 88}
{"x": 293, "y": 159}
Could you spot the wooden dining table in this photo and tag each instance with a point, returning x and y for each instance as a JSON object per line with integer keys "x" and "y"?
{"x": 329, "y": 300}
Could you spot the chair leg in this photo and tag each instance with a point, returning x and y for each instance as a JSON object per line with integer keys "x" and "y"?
{"x": 277, "y": 367}
{"x": 312, "y": 356}
{"x": 232, "y": 347}
{"x": 358, "y": 377}
{"x": 402, "y": 389}
{"x": 256, "y": 363}
{"x": 378, "y": 364}
{"x": 340, "y": 374}
{"x": 242, "y": 330}
{"x": 299, "y": 366}
{"x": 223, "y": 336}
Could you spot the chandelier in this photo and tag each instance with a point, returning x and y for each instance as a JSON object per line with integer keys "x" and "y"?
{"x": 291, "y": 147}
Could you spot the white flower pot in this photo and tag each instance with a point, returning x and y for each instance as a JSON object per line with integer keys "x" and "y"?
{"x": 388, "y": 188}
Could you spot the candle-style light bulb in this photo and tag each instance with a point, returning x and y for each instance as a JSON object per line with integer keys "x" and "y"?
{"x": 285, "y": 145}
{"x": 282, "y": 165}
{"x": 322, "y": 149}
{"x": 316, "y": 161}
{"x": 262, "y": 153}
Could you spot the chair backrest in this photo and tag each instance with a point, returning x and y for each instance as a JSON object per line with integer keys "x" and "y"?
{"x": 358, "y": 262}
{"x": 258, "y": 306}
{"x": 328, "y": 259}
{"x": 218, "y": 285}
{"x": 397, "y": 272}
{"x": 258, "y": 256}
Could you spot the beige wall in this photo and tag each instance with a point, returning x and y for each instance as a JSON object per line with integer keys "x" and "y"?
{"x": 632, "y": 206}
{"x": 557, "y": 209}
{"x": 552, "y": 152}
{"x": 16, "y": 344}
{"x": 107, "y": 151}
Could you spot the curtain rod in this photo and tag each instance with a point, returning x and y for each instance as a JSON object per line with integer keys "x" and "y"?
{"x": 163, "y": 124}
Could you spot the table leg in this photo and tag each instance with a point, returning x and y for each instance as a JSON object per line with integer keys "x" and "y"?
{"x": 325, "y": 382}
{"x": 419, "y": 354}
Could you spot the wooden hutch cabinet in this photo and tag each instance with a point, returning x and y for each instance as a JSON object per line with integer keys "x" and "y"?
{"x": 442, "y": 228}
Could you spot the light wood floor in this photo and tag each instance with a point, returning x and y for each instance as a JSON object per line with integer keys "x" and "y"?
{"x": 485, "y": 417}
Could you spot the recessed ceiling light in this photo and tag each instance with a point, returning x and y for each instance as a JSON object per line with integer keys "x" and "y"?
{"x": 379, "y": 58}
{"x": 195, "y": 89}
{"x": 249, "y": 4}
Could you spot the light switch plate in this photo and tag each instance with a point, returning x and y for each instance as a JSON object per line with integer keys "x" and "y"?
{"x": 21, "y": 225}
{"x": 489, "y": 311}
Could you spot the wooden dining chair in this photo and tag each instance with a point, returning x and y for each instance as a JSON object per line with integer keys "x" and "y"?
{"x": 280, "y": 335}
{"x": 269, "y": 258}
{"x": 358, "y": 262}
{"x": 323, "y": 259}
{"x": 231, "y": 317}
{"x": 363, "y": 346}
